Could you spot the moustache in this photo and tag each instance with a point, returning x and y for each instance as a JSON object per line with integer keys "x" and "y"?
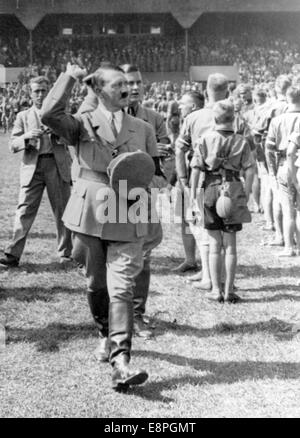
{"x": 124, "y": 95}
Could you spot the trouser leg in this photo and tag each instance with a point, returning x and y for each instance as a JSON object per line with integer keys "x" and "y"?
{"x": 58, "y": 193}
{"x": 124, "y": 261}
{"x": 90, "y": 252}
{"x": 29, "y": 201}
{"x": 141, "y": 288}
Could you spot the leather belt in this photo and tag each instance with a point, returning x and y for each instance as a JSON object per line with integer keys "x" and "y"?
{"x": 227, "y": 172}
{"x": 46, "y": 155}
{"x": 93, "y": 175}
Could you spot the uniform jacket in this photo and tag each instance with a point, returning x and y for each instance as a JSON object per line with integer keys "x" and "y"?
{"x": 155, "y": 119}
{"x": 94, "y": 150}
{"x": 26, "y": 121}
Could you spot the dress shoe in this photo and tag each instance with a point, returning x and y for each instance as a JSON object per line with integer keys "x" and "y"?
{"x": 184, "y": 267}
{"x": 101, "y": 353}
{"x": 124, "y": 375}
{"x": 140, "y": 328}
{"x": 9, "y": 261}
{"x": 232, "y": 298}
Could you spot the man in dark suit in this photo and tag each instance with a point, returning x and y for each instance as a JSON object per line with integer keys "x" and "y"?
{"x": 136, "y": 109}
{"x": 110, "y": 251}
{"x": 46, "y": 163}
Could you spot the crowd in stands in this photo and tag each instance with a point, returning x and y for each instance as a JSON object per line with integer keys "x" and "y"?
{"x": 259, "y": 59}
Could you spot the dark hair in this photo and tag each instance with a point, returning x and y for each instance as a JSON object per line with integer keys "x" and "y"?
{"x": 197, "y": 97}
{"x": 97, "y": 76}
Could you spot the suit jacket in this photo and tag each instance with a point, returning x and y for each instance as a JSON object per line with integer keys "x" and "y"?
{"x": 26, "y": 121}
{"x": 156, "y": 120}
{"x": 88, "y": 133}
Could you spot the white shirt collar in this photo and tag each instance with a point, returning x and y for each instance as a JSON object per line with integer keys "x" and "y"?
{"x": 108, "y": 115}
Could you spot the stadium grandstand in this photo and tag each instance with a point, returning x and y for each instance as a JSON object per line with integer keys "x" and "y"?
{"x": 164, "y": 37}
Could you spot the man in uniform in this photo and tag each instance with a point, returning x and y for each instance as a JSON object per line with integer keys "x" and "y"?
{"x": 111, "y": 252}
{"x": 46, "y": 163}
{"x": 190, "y": 101}
{"x": 196, "y": 124}
{"x": 154, "y": 236}
{"x": 280, "y": 129}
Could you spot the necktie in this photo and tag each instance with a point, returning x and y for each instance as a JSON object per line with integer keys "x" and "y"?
{"x": 113, "y": 125}
{"x": 131, "y": 111}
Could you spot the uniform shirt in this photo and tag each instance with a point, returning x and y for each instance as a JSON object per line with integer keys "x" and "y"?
{"x": 279, "y": 107}
{"x": 294, "y": 147}
{"x": 195, "y": 125}
{"x": 260, "y": 114}
{"x": 281, "y": 127}
{"x": 276, "y": 108}
{"x": 222, "y": 148}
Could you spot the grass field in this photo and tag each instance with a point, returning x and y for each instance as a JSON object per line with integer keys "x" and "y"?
{"x": 206, "y": 359}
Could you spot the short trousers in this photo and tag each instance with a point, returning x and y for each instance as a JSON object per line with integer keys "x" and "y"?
{"x": 212, "y": 221}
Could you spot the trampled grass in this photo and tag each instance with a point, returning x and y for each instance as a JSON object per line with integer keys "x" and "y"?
{"x": 206, "y": 359}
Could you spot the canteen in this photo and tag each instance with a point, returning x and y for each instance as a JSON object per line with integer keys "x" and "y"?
{"x": 224, "y": 206}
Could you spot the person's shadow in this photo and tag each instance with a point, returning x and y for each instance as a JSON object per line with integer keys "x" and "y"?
{"x": 48, "y": 339}
{"x": 215, "y": 373}
{"x": 281, "y": 330}
{"x": 37, "y": 293}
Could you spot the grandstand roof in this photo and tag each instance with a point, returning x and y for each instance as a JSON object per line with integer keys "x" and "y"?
{"x": 30, "y": 12}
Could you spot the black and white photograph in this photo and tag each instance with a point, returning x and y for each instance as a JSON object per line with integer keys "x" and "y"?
{"x": 149, "y": 211}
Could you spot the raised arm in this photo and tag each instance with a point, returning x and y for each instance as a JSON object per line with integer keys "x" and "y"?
{"x": 54, "y": 107}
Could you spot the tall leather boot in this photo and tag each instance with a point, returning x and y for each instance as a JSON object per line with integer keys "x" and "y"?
{"x": 141, "y": 289}
{"x": 99, "y": 303}
{"x": 140, "y": 295}
{"x": 120, "y": 334}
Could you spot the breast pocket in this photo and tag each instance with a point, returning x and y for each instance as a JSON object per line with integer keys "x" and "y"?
{"x": 74, "y": 209}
